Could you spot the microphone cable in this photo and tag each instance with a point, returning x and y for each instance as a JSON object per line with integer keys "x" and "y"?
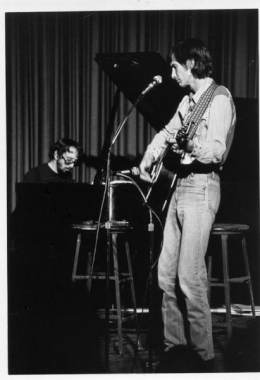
{"x": 145, "y": 203}
{"x": 153, "y": 265}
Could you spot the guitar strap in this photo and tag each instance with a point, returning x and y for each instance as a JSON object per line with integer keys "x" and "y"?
{"x": 194, "y": 118}
{"x": 190, "y": 124}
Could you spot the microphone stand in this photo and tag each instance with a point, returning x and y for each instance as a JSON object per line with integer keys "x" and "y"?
{"x": 108, "y": 224}
{"x": 150, "y": 230}
{"x": 157, "y": 80}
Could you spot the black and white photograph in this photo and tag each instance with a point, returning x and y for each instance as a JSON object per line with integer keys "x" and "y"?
{"x": 131, "y": 189}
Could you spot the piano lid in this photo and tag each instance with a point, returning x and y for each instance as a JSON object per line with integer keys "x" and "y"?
{"x": 132, "y": 73}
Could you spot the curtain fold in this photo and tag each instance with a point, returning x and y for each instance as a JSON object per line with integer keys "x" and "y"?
{"x": 55, "y": 88}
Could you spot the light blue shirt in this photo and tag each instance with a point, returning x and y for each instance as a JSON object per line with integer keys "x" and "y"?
{"x": 214, "y": 135}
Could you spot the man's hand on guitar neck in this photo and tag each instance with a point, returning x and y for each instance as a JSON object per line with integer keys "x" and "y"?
{"x": 183, "y": 142}
{"x": 175, "y": 148}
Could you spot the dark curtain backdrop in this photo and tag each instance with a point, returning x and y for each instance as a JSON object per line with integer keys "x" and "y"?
{"x": 55, "y": 88}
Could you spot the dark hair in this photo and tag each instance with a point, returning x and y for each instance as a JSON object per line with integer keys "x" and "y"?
{"x": 193, "y": 48}
{"x": 63, "y": 145}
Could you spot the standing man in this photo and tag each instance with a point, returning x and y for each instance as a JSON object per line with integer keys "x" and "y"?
{"x": 64, "y": 155}
{"x": 195, "y": 202}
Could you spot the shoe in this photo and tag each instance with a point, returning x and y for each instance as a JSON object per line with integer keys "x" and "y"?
{"x": 175, "y": 360}
{"x": 207, "y": 366}
{"x": 182, "y": 359}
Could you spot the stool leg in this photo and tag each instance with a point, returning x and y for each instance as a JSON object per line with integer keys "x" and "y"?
{"x": 224, "y": 239}
{"x": 249, "y": 282}
{"x": 130, "y": 270}
{"x": 107, "y": 297}
{"x": 76, "y": 257}
{"x": 90, "y": 266}
{"x": 117, "y": 289}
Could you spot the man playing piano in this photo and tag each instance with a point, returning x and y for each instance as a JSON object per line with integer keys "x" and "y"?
{"x": 64, "y": 155}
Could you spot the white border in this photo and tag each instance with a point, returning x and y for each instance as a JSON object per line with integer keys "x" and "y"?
{"x": 77, "y": 5}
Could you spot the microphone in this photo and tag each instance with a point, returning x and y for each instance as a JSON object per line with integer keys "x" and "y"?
{"x": 156, "y": 80}
{"x": 135, "y": 171}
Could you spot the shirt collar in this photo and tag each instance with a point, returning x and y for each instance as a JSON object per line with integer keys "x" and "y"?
{"x": 195, "y": 97}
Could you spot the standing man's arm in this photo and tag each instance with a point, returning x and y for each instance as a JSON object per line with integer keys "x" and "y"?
{"x": 160, "y": 141}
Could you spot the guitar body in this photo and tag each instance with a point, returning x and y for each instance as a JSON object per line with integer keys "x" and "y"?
{"x": 164, "y": 180}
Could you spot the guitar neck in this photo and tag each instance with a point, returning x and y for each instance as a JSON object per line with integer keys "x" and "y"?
{"x": 157, "y": 167}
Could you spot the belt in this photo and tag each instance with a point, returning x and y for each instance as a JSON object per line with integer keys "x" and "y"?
{"x": 199, "y": 168}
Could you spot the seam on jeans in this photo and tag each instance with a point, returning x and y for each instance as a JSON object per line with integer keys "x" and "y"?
{"x": 206, "y": 193}
{"x": 212, "y": 208}
{"x": 204, "y": 301}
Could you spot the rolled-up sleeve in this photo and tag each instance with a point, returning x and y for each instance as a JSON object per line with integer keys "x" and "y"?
{"x": 210, "y": 147}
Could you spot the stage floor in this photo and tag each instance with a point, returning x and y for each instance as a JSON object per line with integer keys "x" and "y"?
{"x": 72, "y": 341}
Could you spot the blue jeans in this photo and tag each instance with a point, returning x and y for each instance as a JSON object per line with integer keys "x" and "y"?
{"x": 187, "y": 229}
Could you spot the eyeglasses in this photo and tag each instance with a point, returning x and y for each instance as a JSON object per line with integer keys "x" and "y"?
{"x": 69, "y": 161}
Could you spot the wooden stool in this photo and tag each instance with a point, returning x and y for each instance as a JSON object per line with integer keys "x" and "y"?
{"x": 113, "y": 231}
{"x": 226, "y": 231}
